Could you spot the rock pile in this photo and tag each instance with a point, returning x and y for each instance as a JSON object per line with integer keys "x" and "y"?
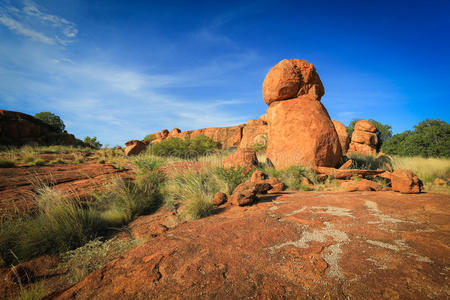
{"x": 364, "y": 138}
{"x": 300, "y": 129}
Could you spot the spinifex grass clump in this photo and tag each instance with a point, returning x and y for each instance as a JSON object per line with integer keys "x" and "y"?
{"x": 232, "y": 177}
{"x": 60, "y": 224}
{"x": 193, "y": 193}
{"x": 124, "y": 199}
{"x": 292, "y": 176}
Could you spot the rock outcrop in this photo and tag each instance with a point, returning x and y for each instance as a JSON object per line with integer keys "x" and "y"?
{"x": 134, "y": 147}
{"x": 254, "y": 133}
{"x": 364, "y": 138}
{"x": 300, "y": 129}
{"x": 18, "y": 129}
{"x": 341, "y": 131}
{"x": 244, "y": 157}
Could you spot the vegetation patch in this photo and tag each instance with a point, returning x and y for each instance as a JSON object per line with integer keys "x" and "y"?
{"x": 188, "y": 148}
{"x": 6, "y": 163}
{"x": 370, "y": 162}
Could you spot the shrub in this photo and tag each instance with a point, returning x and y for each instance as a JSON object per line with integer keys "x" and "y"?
{"x": 232, "y": 176}
{"x": 185, "y": 148}
{"x": 149, "y": 138}
{"x": 52, "y": 120}
{"x": 430, "y": 138}
{"x": 6, "y": 163}
{"x": 370, "y": 162}
{"x": 58, "y": 161}
{"x": 92, "y": 142}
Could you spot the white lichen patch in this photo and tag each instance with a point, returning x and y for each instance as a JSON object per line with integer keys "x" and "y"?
{"x": 372, "y": 207}
{"x": 420, "y": 258}
{"x": 384, "y": 245}
{"x": 333, "y": 210}
{"x": 295, "y": 212}
{"x": 377, "y": 263}
{"x": 331, "y": 253}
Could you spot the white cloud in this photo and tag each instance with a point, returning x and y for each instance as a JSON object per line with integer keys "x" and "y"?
{"x": 32, "y": 22}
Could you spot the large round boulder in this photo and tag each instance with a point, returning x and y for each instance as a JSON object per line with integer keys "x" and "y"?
{"x": 291, "y": 78}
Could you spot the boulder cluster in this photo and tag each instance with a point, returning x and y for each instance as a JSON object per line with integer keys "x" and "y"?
{"x": 364, "y": 138}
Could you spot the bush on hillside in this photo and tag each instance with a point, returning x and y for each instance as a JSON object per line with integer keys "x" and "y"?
{"x": 92, "y": 142}
{"x": 149, "y": 138}
{"x": 185, "y": 148}
{"x": 51, "y": 119}
{"x": 430, "y": 138}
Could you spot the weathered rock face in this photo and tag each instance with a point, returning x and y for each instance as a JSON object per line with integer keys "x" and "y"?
{"x": 341, "y": 131}
{"x": 17, "y": 129}
{"x": 226, "y": 137}
{"x": 300, "y": 129}
{"x": 292, "y": 78}
{"x": 301, "y": 133}
{"x": 134, "y": 147}
{"x": 405, "y": 181}
{"x": 364, "y": 138}
{"x": 254, "y": 133}
{"x": 243, "y": 157}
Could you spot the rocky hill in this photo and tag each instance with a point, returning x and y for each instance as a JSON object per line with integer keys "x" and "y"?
{"x": 18, "y": 129}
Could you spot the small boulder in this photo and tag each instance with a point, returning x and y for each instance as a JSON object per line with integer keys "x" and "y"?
{"x": 258, "y": 176}
{"x": 341, "y": 131}
{"x": 361, "y": 185}
{"x": 439, "y": 181}
{"x": 405, "y": 181}
{"x": 134, "y": 147}
{"x": 164, "y": 133}
{"x": 244, "y": 157}
{"x": 277, "y": 185}
{"x": 263, "y": 187}
{"x": 220, "y": 198}
{"x": 244, "y": 194}
{"x": 263, "y": 118}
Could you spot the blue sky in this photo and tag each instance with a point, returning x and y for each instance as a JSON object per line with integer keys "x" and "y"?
{"x": 119, "y": 70}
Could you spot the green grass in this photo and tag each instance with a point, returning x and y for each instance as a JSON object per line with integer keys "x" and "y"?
{"x": 60, "y": 224}
{"x": 193, "y": 192}
{"x": 6, "y": 163}
{"x": 92, "y": 256}
{"x": 232, "y": 176}
{"x": 370, "y": 162}
{"x": 32, "y": 292}
{"x": 292, "y": 176}
{"x": 57, "y": 161}
{"x": 37, "y": 162}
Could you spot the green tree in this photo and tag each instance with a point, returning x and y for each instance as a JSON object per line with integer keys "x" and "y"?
{"x": 430, "y": 138}
{"x": 51, "y": 119}
{"x": 186, "y": 148}
{"x": 149, "y": 137}
{"x": 384, "y": 131}
{"x": 92, "y": 142}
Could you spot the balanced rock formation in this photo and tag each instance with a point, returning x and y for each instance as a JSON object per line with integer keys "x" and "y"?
{"x": 343, "y": 135}
{"x": 364, "y": 138}
{"x": 134, "y": 147}
{"x": 300, "y": 129}
{"x": 244, "y": 157}
{"x": 18, "y": 129}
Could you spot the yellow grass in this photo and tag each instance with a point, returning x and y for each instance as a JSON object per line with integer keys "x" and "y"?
{"x": 427, "y": 169}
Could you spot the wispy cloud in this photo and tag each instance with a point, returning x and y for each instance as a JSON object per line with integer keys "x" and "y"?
{"x": 29, "y": 20}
